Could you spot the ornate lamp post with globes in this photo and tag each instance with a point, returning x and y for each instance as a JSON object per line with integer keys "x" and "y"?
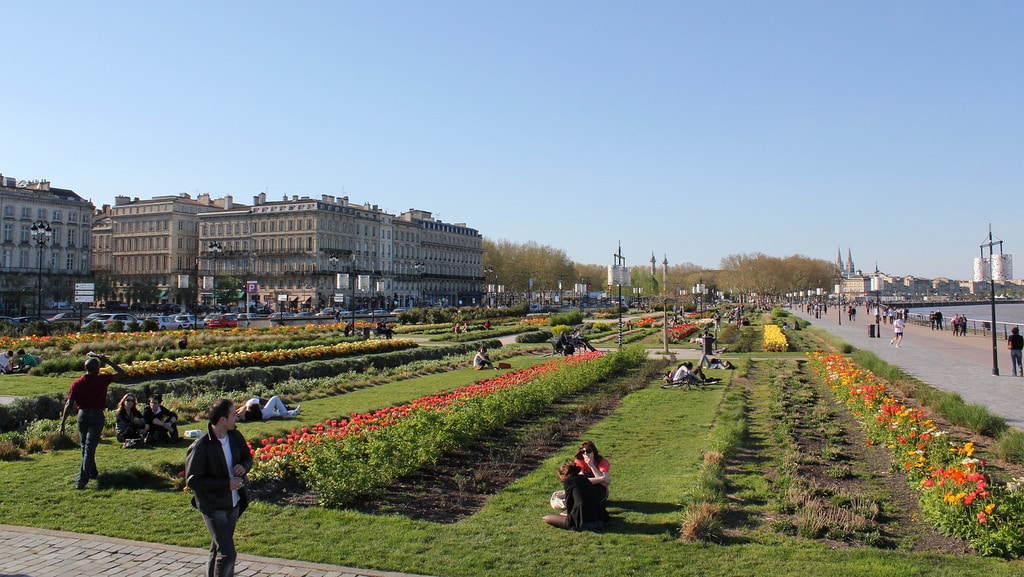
{"x": 41, "y": 234}
{"x": 215, "y": 249}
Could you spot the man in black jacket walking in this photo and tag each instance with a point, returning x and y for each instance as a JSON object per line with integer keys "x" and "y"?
{"x": 215, "y": 469}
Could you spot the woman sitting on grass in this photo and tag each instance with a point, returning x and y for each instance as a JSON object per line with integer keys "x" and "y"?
{"x": 583, "y": 508}
{"x": 129, "y": 422}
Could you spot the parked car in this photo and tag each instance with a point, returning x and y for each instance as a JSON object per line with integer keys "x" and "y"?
{"x": 219, "y": 321}
{"x": 106, "y": 319}
{"x": 190, "y": 321}
{"x": 168, "y": 323}
{"x": 31, "y": 319}
{"x": 398, "y": 310}
{"x": 380, "y": 313}
{"x": 65, "y": 316}
{"x": 9, "y": 320}
{"x": 285, "y": 315}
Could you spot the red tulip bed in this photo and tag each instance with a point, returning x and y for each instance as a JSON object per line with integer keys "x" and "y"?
{"x": 680, "y": 333}
{"x": 349, "y": 458}
{"x": 957, "y": 496}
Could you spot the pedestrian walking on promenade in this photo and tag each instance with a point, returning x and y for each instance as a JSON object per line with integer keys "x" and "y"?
{"x": 215, "y": 469}
{"x": 898, "y": 327}
{"x": 1015, "y": 342}
{"x": 89, "y": 393}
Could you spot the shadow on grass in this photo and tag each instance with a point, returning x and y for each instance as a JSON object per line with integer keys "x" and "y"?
{"x": 134, "y": 477}
{"x": 619, "y": 525}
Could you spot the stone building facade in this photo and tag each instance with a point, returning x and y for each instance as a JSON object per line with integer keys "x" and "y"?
{"x": 39, "y": 270}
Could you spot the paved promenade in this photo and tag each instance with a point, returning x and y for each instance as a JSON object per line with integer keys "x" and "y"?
{"x": 31, "y": 552}
{"x": 956, "y": 364}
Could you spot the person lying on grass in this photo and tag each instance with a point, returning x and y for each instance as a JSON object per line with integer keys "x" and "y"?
{"x": 264, "y": 409}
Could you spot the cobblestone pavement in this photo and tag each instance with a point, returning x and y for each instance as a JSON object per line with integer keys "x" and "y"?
{"x": 29, "y": 552}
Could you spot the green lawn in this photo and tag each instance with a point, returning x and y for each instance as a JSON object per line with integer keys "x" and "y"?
{"x": 654, "y": 441}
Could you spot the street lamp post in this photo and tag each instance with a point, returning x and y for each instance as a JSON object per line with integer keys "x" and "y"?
{"x": 215, "y": 249}
{"x": 333, "y": 260}
{"x": 41, "y": 234}
{"x": 619, "y": 276}
{"x": 992, "y": 294}
{"x": 353, "y": 280}
{"x": 419, "y": 267}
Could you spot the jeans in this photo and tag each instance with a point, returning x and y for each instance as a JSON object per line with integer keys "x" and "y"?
{"x": 221, "y": 525}
{"x": 275, "y": 408}
{"x": 1015, "y": 360}
{"x": 90, "y": 427}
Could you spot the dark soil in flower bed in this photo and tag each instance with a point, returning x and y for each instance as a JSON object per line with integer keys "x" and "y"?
{"x": 458, "y": 485}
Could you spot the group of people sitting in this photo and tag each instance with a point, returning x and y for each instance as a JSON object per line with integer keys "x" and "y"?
{"x": 155, "y": 424}
{"x": 584, "y": 491}
{"x": 688, "y": 374}
{"x": 20, "y": 363}
{"x": 567, "y": 344}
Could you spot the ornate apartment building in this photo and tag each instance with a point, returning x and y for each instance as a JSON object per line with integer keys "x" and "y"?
{"x": 301, "y": 252}
{"x": 45, "y": 244}
{"x": 294, "y": 253}
{"x": 153, "y": 247}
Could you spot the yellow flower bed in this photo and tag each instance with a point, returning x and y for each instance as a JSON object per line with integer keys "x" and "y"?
{"x": 184, "y": 365}
{"x": 775, "y": 340}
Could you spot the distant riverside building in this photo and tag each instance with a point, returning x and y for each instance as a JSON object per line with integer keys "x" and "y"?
{"x": 32, "y": 274}
{"x": 857, "y": 285}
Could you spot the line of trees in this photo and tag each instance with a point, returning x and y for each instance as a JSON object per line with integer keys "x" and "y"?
{"x": 513, "y": 264}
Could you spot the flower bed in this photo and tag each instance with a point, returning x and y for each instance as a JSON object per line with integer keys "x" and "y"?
{"x": 775, "y": 340}
{"x": 681, "y": 332}
{"x": 347, "y": 458}
{"x": 956, "y": 495}
{"x": 200, "y": 363}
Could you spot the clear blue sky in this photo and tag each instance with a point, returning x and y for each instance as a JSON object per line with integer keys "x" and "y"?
{"x": 694, "y": 130}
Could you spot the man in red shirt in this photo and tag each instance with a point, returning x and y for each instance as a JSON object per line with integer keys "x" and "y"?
{"x": 89, "y": 393}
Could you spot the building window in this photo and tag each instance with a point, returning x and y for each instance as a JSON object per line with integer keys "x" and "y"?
{"x": 26, "y": 212}
{"x": 56, "y": 216}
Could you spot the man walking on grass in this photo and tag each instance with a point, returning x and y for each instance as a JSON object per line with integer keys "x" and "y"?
{"x": 89, "y": 394}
